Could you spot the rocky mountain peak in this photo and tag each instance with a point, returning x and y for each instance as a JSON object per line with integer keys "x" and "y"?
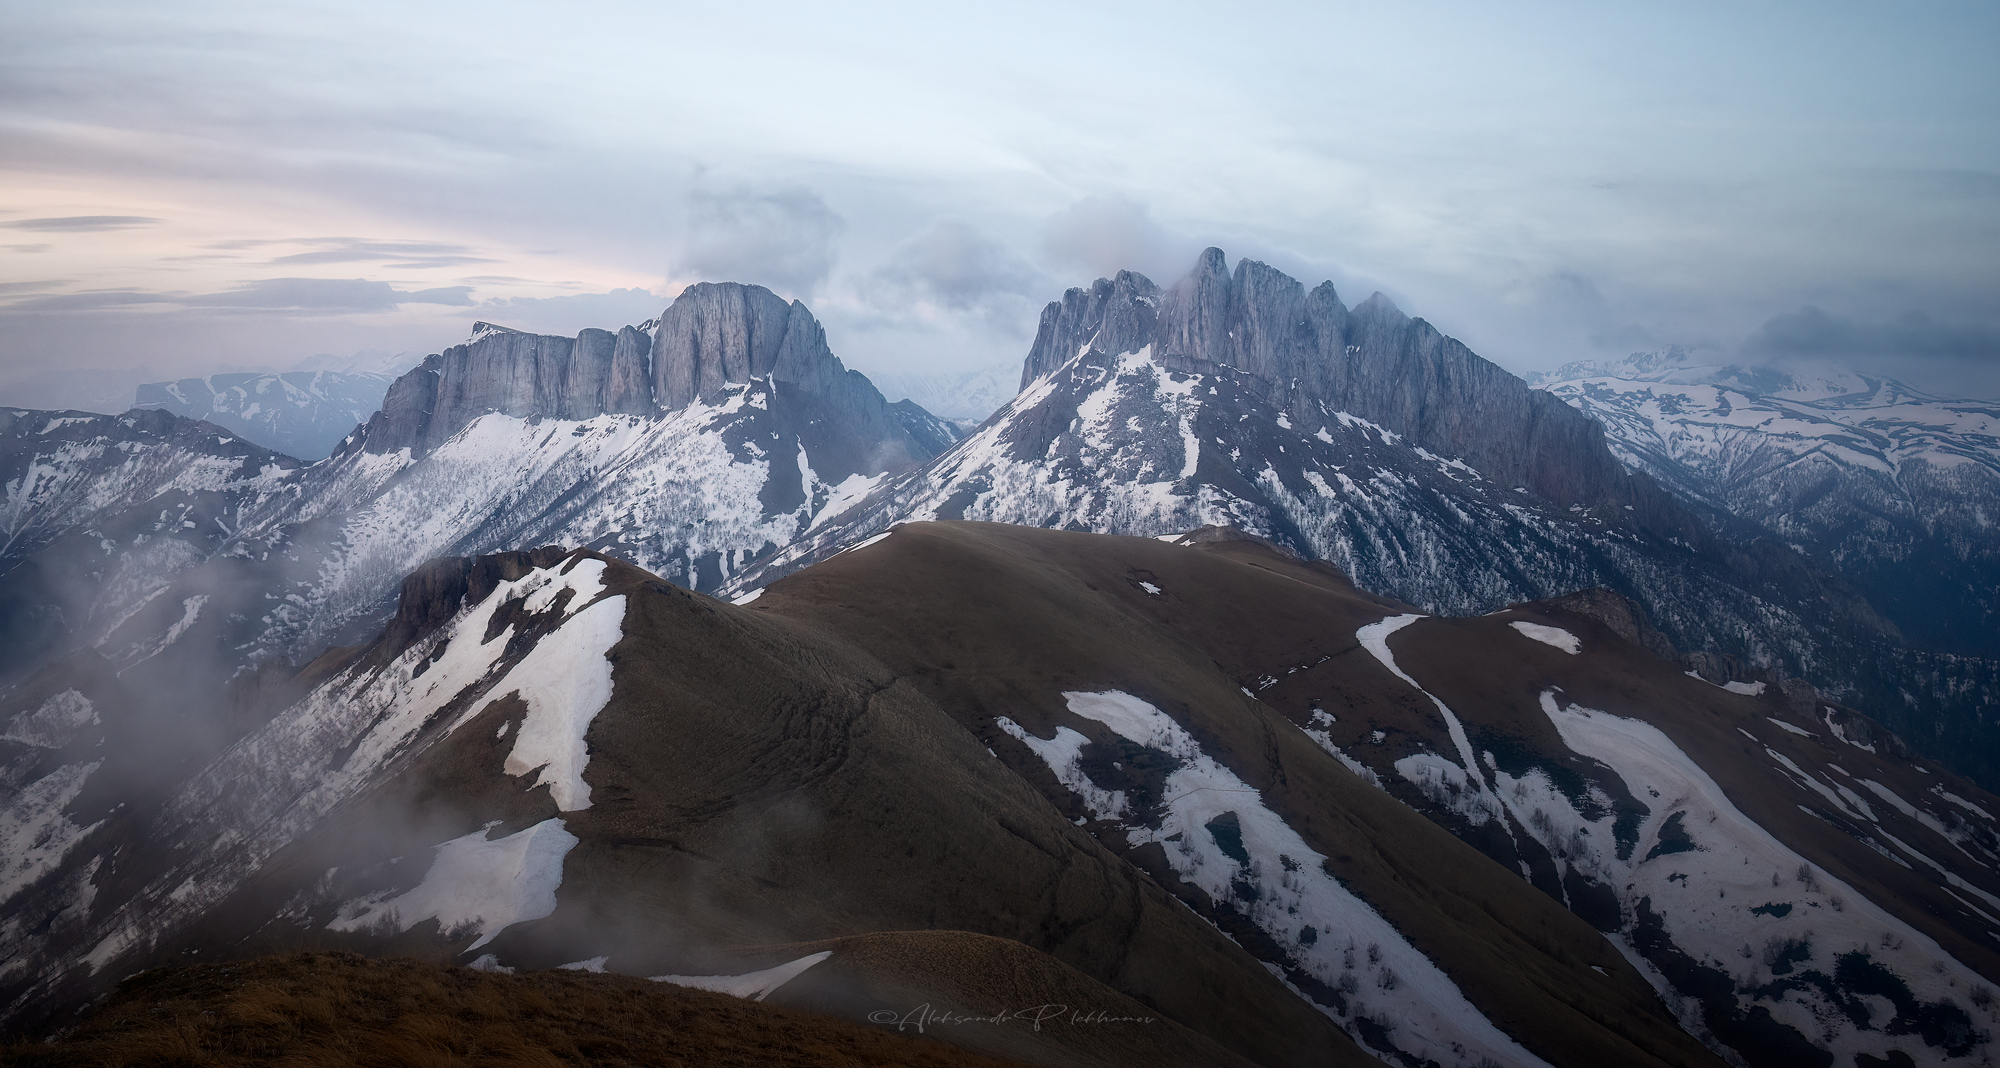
{"x": 480, "y": 330}
{"x": 1308, "y": 350}
{"x": 720, "y": 332}
{"x": 714, "y": 334}
{"x": 1379, "y": 308}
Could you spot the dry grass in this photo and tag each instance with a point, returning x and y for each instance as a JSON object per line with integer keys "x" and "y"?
{"x": 338, "y": 1010}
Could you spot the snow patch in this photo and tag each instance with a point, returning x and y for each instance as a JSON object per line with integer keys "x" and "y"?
{"x": 35, "y": 833}
{"x": 753, "y": 985}
{"x": 53, "y": 723}
{"x": 1555, "y": 636}
{"x": 565, "y": 680}
{"x": 487, "y": 886}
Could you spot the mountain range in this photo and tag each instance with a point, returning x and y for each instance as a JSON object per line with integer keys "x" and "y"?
{"x": 299, "y": 413}
{"x": 1453, "y": 726}
{"x": 1892, "y": 486}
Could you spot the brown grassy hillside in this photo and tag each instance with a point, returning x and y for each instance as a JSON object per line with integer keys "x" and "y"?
{"x": 334, "y": 1010}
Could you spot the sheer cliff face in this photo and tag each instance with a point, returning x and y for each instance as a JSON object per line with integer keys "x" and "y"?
{"x": 1307, "y": 348}
{"x": 715, "y": 334}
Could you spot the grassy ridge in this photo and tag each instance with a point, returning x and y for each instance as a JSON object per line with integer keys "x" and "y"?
{"x": 335, "y": 1010}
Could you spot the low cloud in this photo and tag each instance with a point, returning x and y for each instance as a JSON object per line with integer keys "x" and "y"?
{"x": 1959, "y": 358}
{"x": 1107, "y": 234}
{"x": 267, "y": 295}
{"x": 328, "y": 295}
{"x": 406, "y": 254}
{"x": 1811, "y": 332}
{"x": 77, "y": 224}
{"x": 785, "y": 240}
{"x": 954, "y": 267}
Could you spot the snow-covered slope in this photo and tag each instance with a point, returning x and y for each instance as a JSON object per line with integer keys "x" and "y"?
{"x": 100, "y": 511}
{"x": 1898, "y": 490}
{"x": 1800, "y": 889}
{"x": 300, "y": 413}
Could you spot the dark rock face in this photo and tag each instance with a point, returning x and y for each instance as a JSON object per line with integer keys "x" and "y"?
{"x": 1373, "y": 362}
{"x": 432, "y": 594}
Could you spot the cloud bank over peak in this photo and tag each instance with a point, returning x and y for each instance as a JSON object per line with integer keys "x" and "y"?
{"x": 785, "y": 239}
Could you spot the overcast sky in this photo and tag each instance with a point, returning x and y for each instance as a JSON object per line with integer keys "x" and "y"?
{"x": 193, "y": 187}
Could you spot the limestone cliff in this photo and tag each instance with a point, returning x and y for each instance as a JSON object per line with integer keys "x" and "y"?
{"x": 713, "y": 335}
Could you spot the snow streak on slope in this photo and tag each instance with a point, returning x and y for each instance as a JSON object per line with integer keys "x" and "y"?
{"x": 1219, "y": 836}
{"x": 1461, "y": 783}
{"x": 1794, "y": 942}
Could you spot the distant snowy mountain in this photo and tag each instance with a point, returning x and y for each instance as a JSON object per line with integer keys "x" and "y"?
{"x": 300, "y": 413}
{"x": 100, "y": 511}
{"x": 1897, "y": 489}
{"x": 964, "y": 397}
